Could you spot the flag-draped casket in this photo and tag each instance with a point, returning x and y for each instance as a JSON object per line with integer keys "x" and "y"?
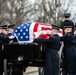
{"x": 25, "y": 32}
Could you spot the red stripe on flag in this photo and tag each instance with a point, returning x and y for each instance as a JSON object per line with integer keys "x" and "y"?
{"x": 35, "y": 27}
{"x": 45, "y": 35}
{"x": 43, "y": 28}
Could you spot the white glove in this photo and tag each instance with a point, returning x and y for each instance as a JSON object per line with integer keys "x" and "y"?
{"x": 11, "y": 37}
{"x": 36, "y": 35}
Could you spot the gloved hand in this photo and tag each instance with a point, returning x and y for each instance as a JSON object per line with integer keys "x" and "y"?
{"x": 11, "y": 37}
{"x": 35, "y": 35}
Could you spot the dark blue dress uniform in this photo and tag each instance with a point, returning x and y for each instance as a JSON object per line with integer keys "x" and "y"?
{"x": 52, "y": 56}
{"x": 1, "y": 54}
{"x": 3, "y": 39}
{"x": 69, "y": 52}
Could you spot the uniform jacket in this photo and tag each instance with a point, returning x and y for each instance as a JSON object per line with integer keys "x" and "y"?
{"x": 69, "y": 52}
{"x": 3, "y": 38}
{"x": 52, "y": 56}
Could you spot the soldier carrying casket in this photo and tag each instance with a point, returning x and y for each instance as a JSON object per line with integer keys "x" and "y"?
{"x": 52, "y": 46}
{"x": 5, "y": 32}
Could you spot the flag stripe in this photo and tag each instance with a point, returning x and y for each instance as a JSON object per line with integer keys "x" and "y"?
{"x": 43, "y": 28}
{"x": 35, "y": 27}
{"x": 45, "y": 35}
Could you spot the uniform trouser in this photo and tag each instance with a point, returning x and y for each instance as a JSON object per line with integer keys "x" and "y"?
{"x": 52, "y": 63}
{"x": 1, "y": 62}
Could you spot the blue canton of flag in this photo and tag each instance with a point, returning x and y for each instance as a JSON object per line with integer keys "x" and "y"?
{"x": 24, "y": 32}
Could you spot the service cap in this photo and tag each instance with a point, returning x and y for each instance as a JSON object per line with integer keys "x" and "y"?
{"x": 4, "y": 27}
{"x": 11, "y": 26}
{"x": 68, "y": 24}
{"x": 66, "y": 15}
{"x": 55, "y": 27}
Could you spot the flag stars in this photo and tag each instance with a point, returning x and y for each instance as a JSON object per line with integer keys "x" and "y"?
{"x": 16, "y": 31}
{"x": 21, "y": 37}
{"x": 26, "y": 29}
{"x": 24, "y": 33}
{"x": 18, "y": 27}
{"x": 26, "y": 36}
{"x": 22, "y": 25}
{"x": 27, "y": 24}
{"x": 21, "y": 30}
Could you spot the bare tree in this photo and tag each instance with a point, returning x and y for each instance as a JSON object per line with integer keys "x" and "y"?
{"x": 19, "y": 11}
{"x": 14, "y": 11}
{"x": 50, "y": 11}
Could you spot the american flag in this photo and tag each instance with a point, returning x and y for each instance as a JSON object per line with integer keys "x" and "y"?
{"x": 24, "y": 32}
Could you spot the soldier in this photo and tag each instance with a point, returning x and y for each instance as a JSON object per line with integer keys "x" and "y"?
{"x": 8, "y": 28}
{"x": 52, "y": 57}
{"x": 1, "y": 55}
{"x": 67, "y": 20}
{"x": 3, "y": 33}
{"x": 4, "y": 38}
{"x": 69, "y": 50}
